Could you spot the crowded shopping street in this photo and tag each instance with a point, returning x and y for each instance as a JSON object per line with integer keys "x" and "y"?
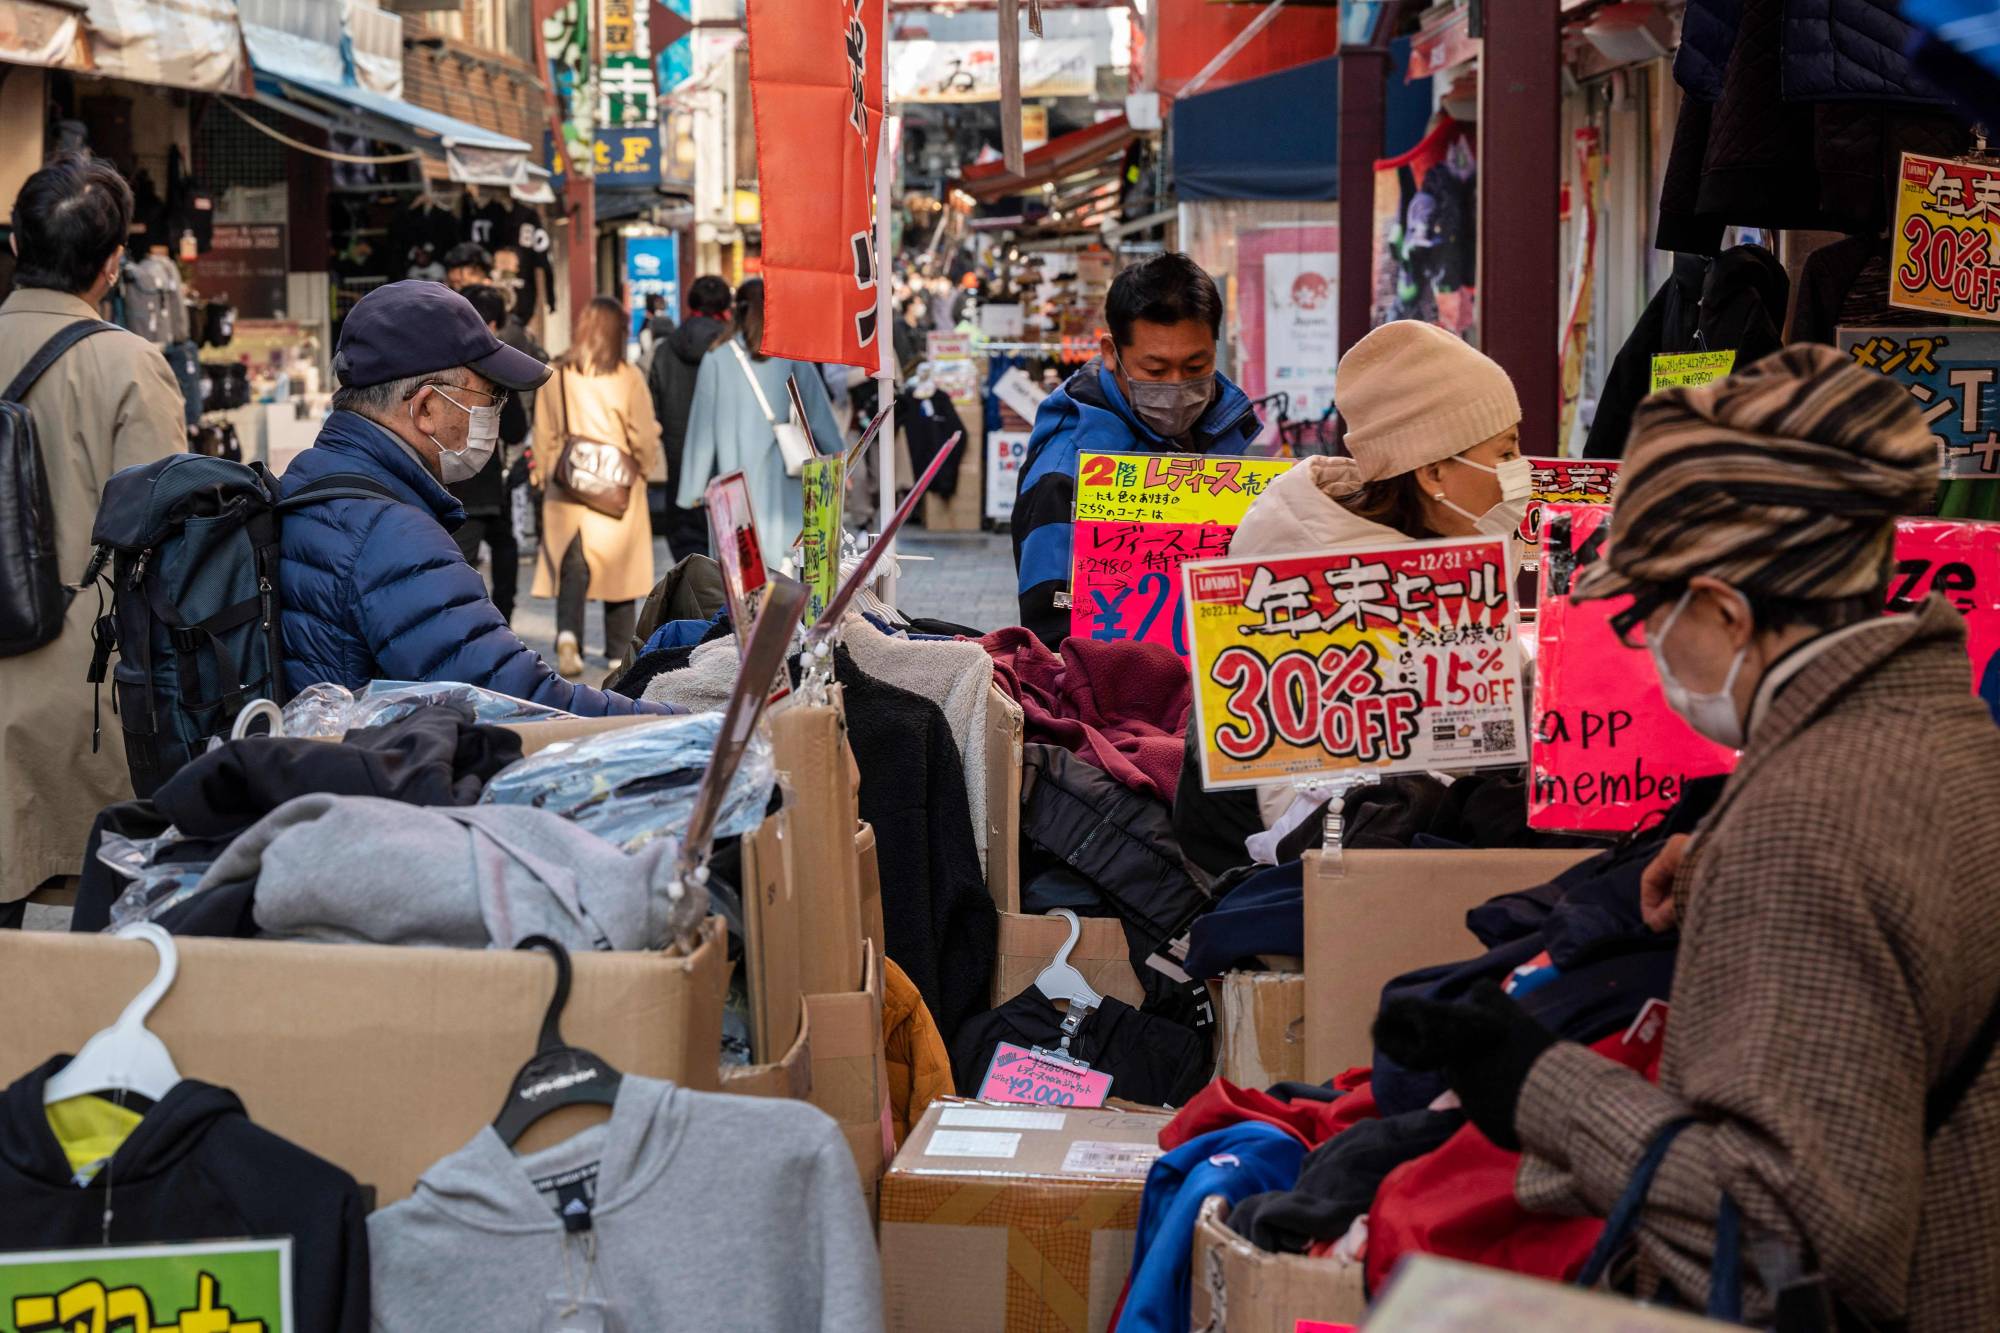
{"x": 953, "y": 666}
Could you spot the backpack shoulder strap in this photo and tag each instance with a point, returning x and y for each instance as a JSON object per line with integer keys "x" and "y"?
{"x": 1944, "y": 1099}
{"x": 340, "y": 486}
{"x": 61, "y": 341}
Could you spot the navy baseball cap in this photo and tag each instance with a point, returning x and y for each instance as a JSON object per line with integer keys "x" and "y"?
{"x": 415, "y": 327}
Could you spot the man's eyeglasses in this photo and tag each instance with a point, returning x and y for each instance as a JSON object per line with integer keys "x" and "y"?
{"x": 499, "y": 396}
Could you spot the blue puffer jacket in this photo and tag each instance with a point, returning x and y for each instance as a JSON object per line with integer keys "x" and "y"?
{"x": 378, "y": 591}
{"x": 1089, "y": 414}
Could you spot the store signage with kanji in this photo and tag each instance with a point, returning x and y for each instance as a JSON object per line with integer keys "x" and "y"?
{"x": 1945, "y": 249}
{"x": 1139, "y": 518}
{"x": 1384, "y": 659}
{"x": 242, "y": 1286}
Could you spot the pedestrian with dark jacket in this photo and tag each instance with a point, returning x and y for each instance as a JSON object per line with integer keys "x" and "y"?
{"x": 375, "y": 589}
{"x": 489, "y": 519}
{"x": 671, "y": 379}
{"x": 1152, "y": 389}
{"x": 1827, "y": 1092}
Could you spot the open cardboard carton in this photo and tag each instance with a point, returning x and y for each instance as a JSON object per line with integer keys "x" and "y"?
{"x": 1373, "y": 915}
{"x": 381, "y": 1059}
{"x": 1012, "y": 1219}
{"x": 1260, "y": 1024}
{"x": 1239, "y": 1288}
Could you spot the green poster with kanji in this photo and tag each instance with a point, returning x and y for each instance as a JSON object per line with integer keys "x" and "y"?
{"x": 240, "y": 1286}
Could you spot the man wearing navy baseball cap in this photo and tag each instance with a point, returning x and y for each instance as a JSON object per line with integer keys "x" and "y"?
{"x": 373, "y": 586}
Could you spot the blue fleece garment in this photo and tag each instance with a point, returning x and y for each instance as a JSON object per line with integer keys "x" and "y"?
{"x": 1235, "y": 1163}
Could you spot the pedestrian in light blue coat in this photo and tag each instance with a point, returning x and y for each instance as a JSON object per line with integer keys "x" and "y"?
{"x": 727, "y": 430}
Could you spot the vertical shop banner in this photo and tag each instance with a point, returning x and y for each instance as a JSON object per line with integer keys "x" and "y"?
{"x": 1006, "y": 453}
{"x": 1609, "y": 754}
{"x": 1289, "y": 278}
{"x": 1945, "y": 251}
{"x": 652, "y": 268}
{"x": 566, "y": 40}
{"x": 1954, "y": 376}
{"x": 219, "y": 1287}
{"x": 1385, "y": 660}
{"x": 1139, "y": 518}
{"x": 819, "y": 542}
{"x": 816, "y": 85}
{"x": 1426, "y": 241}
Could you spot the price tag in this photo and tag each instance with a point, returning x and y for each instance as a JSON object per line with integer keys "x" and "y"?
{"x": 1018, "y": 1074}
{"x": 1690, "y": 370}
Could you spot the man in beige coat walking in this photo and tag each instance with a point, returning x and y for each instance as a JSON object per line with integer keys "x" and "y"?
{"x": 109, "y": 403}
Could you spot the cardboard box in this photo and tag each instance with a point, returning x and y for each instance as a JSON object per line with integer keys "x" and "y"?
{"x": 850, "y": 1074}
{"x": 1006, "y": 1219}
{"x": 1005, "y": 727}
{"x": 810, "y": 745}
{"x": 791, "y": 1075}
{"x": 380, "y": 1059}
{"x": 1239, "y": 1288}
{"x": 1373, "y": 915}
{"x": 773, "y": 938}
{"x": 872, "y": 929}
{"x": 1433, "y": 1295}
{"x": 1027, "y": 944}
{"x": 1260, "y": 1020}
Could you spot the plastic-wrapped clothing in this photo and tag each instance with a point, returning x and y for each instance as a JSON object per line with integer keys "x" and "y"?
{"x": 1153, "y": 1061}
{"x": 1235, "y": 1163}
{"x": 328, "y": 712}
{"x": 1338, "y": 1180}
{"x": 919, "y": 1064}
{"x": 466, "y": 877}
{"x": 638, "y": 783}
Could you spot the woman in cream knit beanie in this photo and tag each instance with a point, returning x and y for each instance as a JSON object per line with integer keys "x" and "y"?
{"x": 1434, "y": 428}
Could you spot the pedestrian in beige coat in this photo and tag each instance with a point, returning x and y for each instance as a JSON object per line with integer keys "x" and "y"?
{"x": 594, "y": 395}
{"x": 1828, "y": 1066}
{"x": 109, "y": 403}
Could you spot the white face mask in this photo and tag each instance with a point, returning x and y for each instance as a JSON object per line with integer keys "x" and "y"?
{"x": 482, "y": 436}
{"x": 1517, "y": 484}
{"x": 1713, "y": 715}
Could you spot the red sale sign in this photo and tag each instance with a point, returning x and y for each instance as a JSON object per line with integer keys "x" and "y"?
{"x": 1606, "y": 751}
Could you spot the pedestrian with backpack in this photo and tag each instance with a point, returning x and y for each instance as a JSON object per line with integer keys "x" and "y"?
{"x": 374, "y": 588}
{"x": 104, "y": 399}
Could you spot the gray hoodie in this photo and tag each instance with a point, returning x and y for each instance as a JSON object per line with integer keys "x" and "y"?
{"x": 705, "y": 1212}
{"x": 458, "y": 876}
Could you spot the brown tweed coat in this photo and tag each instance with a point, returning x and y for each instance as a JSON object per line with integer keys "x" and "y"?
{"x": 1840, "y": 914}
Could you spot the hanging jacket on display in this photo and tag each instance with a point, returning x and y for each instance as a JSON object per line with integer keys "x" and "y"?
{"x": 195, "y": 1168}
{"x": 914, "y": 1050}
{"x": 926, "y": 424}
{"x": 1152, "y": 1061}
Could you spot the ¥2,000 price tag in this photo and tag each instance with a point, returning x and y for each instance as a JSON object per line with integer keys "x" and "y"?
{"x": 1019, "y": 1075}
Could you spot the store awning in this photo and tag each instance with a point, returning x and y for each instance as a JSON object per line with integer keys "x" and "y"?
{"x": 1067, "y": 162}
{"x": 43, "y": 32}
{"x": 469, "y": 154}
{"x": 179, "y": 43}
{"x": 1294, "y": 153}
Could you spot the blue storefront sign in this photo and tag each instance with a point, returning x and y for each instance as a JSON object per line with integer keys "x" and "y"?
{"x": 629, "y": 157}
{"x": 652, "y": 268}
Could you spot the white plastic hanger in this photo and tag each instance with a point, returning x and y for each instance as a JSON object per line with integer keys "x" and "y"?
{"x": 126, "y": 1057}
{"x": 273, "y": 716}
{"x": 1060, "y": 981}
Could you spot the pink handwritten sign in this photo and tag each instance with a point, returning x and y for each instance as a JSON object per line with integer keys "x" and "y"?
{"x": 1606, "y": 750}
{"x": 1126, "y": 581}
{"x": 1017, "y": 1074}
{"x": 1318, "y": 1326}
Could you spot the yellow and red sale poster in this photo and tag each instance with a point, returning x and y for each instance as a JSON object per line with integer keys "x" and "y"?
{"x": 1385, "y": 659}
{"x": 816, "y": 89}
{"x": 1945, "y": 250}
{"x": 1565, "y": 481}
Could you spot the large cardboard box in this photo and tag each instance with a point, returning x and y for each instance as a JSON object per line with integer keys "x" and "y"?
{"x": 1006, "y": 725}
{"x": 1027, "y": 944}
{"x": 850, "y": 1073}
{"x": 1260, "y": 1023}
{"x": 1009, "y": 1219}
{"x": 810, "y": 745}
{"x": 1373, "y": 915}
{"x": 380, "y": 1059}
{"x": 1239, "y": 1288}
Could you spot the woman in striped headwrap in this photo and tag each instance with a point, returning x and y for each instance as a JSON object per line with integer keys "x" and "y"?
{"x": 1827, "y": 1076}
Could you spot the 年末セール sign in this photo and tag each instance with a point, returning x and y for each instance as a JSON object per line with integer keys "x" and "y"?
{"x": 1945, "y": 250}
{"x": 1384, "y": 659}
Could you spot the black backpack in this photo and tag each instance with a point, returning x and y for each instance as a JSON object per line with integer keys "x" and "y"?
{"x": 193, "y": 545}
{"x": 33, "y": 600}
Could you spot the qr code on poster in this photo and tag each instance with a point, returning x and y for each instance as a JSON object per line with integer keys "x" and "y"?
{"x": 1497, "y": 736}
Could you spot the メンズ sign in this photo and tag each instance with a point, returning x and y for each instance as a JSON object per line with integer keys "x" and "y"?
{"x": 1384, "y": 659}
{"x": 1945, "y": 250}
{"x": 1690, "y": 370}
{"x": 1140, "y": 517}
{"x": 1952, "y": 375}
{"x": 236, "y": 1286}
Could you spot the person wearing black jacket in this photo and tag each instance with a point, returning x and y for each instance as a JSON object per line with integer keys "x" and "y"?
{"x": 676, "y": 361}
{"x": 194, "y": 1168}
{"x": 487, "y": 520}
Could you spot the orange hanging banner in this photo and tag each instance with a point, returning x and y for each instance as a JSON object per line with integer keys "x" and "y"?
{"x": 816, "y": 88}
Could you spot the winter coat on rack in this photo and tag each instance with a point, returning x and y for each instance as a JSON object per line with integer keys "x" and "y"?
{"x": 727, "y": 431}
{"x": 377, "y": 589}
{"x": 1835, "y": 962}
{"x": 1831, "y": 50}
{"x": 1089, "y": 414}
{"x": 1734, "y": 302}
{"x": 614, "y": 409}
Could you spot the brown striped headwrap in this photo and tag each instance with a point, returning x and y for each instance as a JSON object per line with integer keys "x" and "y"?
{"x": 1783, "y": 480}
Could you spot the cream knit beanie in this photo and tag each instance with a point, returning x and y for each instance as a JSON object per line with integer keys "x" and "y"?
{"x": 1412, "y": 393}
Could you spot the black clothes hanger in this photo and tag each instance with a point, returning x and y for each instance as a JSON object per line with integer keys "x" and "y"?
{"x": 557, "y": 1074}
